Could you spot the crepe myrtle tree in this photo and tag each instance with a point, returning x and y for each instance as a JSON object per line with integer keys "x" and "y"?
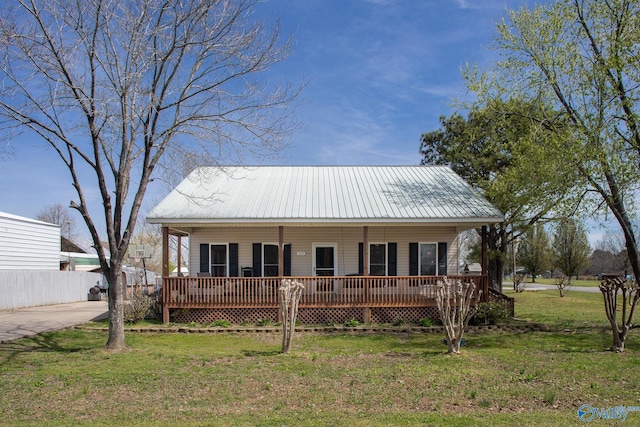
{"x": 457, "y": 304}
{"x": 289, "y": 293}
{"x": 119, "y": 89}
{"x": 613, "y": 289}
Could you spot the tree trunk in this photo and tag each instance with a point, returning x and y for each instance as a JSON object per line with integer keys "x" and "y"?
{"x": 454, "y": 346}
{"x": 116, "y": 308}
{"x": 496, "y": 242}
{"x": 618, "y": 342}
{"x": 289, "y": 293}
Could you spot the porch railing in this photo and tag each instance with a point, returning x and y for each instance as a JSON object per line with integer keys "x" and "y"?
{"x": 334, "y": 291}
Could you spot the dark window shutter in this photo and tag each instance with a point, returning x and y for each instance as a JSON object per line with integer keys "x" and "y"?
{"x": 413, "y": 259}
{"x": 361, "y": 259}
{"x": 233, "y": 260}
{"x": 392, "y": 267}
{"x": 287, "y": 260}
{"x": 257, "y": 260}
{"x": 204, "y": 257}
{"x": 442, "y": 258}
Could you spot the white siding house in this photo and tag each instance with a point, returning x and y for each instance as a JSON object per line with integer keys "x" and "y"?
{"x": 27, "y": 244}
{"x": 368, "y": 238}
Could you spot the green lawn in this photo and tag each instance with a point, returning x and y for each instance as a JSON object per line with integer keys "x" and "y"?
{"x": 574, "y": 310}
{"x": 350, "y": 379}
{"x": 574, "y": 282}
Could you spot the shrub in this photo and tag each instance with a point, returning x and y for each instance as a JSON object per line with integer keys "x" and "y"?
{"x": 138, "y": 307}
{"x": 399, "y": 322}
{"x": 491, "y": 313}
{"x": 264, "y": 322}
{"x": 425, "y": 322}
{"x": 220, "y": 323}
{"x": 351, "y": 323}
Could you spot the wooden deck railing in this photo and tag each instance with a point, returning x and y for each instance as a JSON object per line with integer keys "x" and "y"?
{"x": 342, "y": 291}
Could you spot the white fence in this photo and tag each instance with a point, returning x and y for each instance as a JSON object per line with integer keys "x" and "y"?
{"x": 30, "y": 288}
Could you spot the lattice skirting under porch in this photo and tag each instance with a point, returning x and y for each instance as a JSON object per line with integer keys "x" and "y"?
{"x": 306, "y": 316}
{"x": 408, "y": 314}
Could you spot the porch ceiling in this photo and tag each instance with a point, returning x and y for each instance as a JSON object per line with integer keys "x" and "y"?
{"x": 187, "y": 227}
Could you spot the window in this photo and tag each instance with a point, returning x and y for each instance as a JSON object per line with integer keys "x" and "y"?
{"x": 324, "y": 259}
{"x": 265, "y": 260}
{"x": 428, "y": 257}
{"x": 219, "y": 260}
{"x": 270, "y": 257}
{"x": 383, "y": 259}
{"x": 378, "y": 259}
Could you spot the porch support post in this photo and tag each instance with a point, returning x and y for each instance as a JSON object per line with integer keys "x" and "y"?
{"x": 281, "y": 252}
{"x": 280, "y": 262}
{"x": 365, "y": 250}
{"x": 366, "y": 312}
{"x": 165, "y": 275}
{"x": 485, "y": 265}
{"x": 179, "y": 256}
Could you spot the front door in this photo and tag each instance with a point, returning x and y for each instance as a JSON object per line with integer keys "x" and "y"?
{"x": 324, "y": 264}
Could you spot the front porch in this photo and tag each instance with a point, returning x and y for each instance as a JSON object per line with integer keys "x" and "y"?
{"x": 378, "y": 299}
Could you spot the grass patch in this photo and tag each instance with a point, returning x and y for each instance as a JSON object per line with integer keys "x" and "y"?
{"x": 581, "y": 282}
{"x": 574, "y": 310}
{"x": 355, "y": 379}
{"x": 67, "y": 378}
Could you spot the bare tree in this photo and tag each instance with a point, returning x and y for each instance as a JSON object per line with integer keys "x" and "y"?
{"x": 562, "y": 283}
{"x": 120, "y": 89}
{"x": 611, "y": 289}
{"x": 615, "y": 244}
{"x": 149, "y": 235}
{"x": 456, "y": 306}
{"x": 61, "y": 215}
{"x": 289, "y": 293}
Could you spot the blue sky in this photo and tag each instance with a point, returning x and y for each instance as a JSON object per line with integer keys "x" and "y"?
{"x": 379, "y": 73}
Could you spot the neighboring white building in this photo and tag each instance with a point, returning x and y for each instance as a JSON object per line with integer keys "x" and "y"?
{"x": 27, "y": 244}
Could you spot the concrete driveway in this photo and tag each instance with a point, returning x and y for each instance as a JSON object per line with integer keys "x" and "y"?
{"x": 25, "y": 322}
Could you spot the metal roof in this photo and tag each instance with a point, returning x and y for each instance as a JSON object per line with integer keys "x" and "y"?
{"x": 310, "y": 194}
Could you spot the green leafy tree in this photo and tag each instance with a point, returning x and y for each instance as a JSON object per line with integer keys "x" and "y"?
{"x": 534, "y": 251}
{"x": 571, "y": 248}
{"x": 498, "y": 150}
{"x": 579, "y": 58}
{"x": 120, "y": 89}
